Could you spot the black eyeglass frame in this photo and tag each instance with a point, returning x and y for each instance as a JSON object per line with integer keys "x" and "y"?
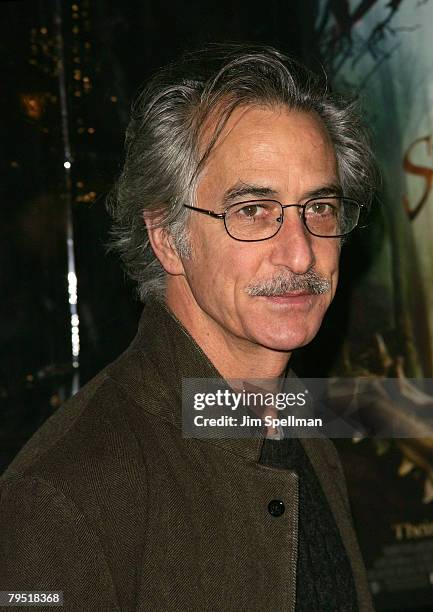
{"x": 222, "y": 215}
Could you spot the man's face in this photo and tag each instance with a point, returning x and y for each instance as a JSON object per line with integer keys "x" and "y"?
{"x": 266, "y": 153}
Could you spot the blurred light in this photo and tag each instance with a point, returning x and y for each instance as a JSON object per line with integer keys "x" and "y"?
{"x": 72, "y": 287}
{"x": 91, "y": 130}
{"x": 33, "y": 104}
{"x": 75, "y": 335}
{"x": 67, "y": 165}
{"x": 86, "y": 197}
{"x": 55, "y": 400}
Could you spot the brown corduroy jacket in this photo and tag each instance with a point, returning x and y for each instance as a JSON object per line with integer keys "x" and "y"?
{"x": 111, "y": 505}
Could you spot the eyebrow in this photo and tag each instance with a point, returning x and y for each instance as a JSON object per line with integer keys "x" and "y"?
{"x": 332, "y": 189}
{"x": 241, "y": 190}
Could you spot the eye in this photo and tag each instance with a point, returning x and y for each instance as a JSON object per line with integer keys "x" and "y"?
{"x": 250, "y": 211}
{"x": 321, "y": 209}
{"x": 253, "y": 211}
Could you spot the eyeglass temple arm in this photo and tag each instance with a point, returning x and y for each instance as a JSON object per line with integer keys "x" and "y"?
{"x": 211, "y": 213}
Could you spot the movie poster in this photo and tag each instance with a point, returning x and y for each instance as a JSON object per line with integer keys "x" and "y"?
{"x": 382, "y": 51}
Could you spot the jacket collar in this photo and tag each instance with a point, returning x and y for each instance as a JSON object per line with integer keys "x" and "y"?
{"x": 166, "y": 347}
{"x": 168, "y": 354}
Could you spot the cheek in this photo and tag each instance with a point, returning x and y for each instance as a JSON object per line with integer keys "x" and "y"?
{"x": 221, "y": 261}
{"x": 327, "y": 256}
{"x": 240, "y": 265}
{"x": 208, "y": 268}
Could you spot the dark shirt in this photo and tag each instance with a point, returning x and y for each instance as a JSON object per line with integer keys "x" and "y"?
{"x": 324, "y": 580}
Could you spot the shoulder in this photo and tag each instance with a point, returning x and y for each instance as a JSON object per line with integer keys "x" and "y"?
{"x": 91, "y": 439}
{"x": 83, "y": 476}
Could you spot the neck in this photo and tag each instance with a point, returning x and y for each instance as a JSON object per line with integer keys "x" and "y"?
{"x": 232, "y": 356}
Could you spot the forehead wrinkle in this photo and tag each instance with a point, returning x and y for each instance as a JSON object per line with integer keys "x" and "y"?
{"x": 210, "y": 127}
{"x": 259, "y": 169}
{"x": 211, "y": 124}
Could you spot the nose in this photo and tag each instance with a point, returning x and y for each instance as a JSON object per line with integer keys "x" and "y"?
{"x": 292, "y": 245}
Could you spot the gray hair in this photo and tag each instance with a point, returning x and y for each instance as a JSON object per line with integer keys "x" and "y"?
{"x": 163, "y": 157}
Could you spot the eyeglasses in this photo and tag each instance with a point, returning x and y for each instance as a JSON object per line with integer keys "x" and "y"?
{"x": 255, "y": 220}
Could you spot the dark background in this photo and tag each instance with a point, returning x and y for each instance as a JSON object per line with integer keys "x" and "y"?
{"x": 109, "y": 49}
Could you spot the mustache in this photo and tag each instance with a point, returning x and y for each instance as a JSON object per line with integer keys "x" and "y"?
{"x": 286, "y": 282}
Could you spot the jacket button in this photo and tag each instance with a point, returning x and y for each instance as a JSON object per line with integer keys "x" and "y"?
{"x": 276, "y": 507}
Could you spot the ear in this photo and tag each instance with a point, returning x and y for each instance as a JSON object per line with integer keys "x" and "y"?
{"x": 163, "y": 247}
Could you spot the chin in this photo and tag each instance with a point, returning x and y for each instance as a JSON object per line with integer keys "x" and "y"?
{"x": 288, "y": 327}
{"x": 285, "y": 333}
{"x": 287, "y": 341}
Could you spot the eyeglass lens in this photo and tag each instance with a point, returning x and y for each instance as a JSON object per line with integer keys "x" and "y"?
{"x": 260, "y": 219}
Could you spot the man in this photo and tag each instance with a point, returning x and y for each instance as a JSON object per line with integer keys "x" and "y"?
{"x": 243, "y": 174}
